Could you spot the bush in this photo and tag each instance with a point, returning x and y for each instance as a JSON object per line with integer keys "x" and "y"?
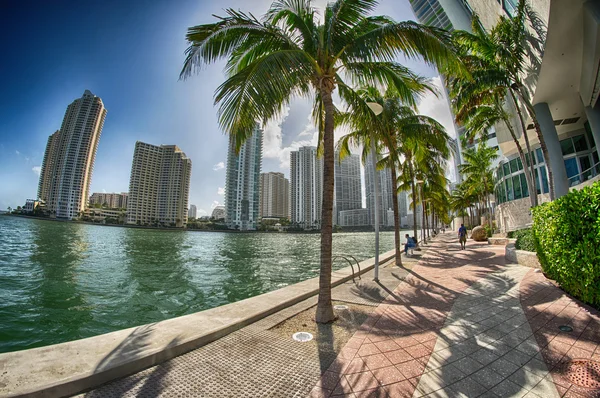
{"x": 567, "y": 241}
{"x": 525, "y": 240}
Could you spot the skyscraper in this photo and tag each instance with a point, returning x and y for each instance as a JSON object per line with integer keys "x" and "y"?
{"x": 306, "y": 181}
{"x": 111, "y": 200}
{"x": 159, "y": 186}
{"x": 385, "y": 187}
{"x": 242, "y": 184}
{"x": 348, "y": 186}
{"x": 193, "y": 211}
{"x": 274, "y": 196}
{"x": 68, "y": 163}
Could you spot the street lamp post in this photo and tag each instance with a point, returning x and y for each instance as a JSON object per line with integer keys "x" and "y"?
{"x": 420, "y": 184}
{"x": 377, "y": 109}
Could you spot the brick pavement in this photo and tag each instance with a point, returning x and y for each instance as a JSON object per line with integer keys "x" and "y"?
{"x": 466, "y": 324}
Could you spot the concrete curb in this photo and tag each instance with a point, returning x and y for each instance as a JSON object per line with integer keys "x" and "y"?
{"x": 69, "y": 368}
{"x": 500, "y": 241}
{"x": 522, "y": 257}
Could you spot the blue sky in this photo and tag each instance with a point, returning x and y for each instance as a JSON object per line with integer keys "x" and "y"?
{"x": 130, "y": 53}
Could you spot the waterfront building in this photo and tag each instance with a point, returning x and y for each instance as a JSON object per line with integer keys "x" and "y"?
{"x": 353, "y": 218}
{"x": 274, "y": 196}
{"x": 385, "y": 189}
{"x": 348, "y": 185}
{"x": 159, "y": 186}
{"x": 218, "y": 213}
{"x": 192, "y": 212}
{"x": 30, "y": 205}
{"x": 306, "y": 181}
{"x": 242, "y": 184}
{"x": 110, "y": 200}
{"x": 66, "y": 171}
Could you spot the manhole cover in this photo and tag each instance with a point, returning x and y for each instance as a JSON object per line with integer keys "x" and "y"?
{"x": 340, "y": 307}
{"x": 565, "y": 328}
{"x": 302, "y": 336}
{"x": 584, "y": 373}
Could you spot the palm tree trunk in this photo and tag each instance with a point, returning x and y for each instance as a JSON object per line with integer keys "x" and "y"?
{"x": 324, "y": 312}
{"x": 396, "y": 215}
{"x": 529, "y": 173}
{"x": 426, "y": 221}
{"x": 422, "y": 215}
{"x": 414, "y": 196}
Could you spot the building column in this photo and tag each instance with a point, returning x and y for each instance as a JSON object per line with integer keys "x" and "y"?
{"x": 557, "y": 163}
{"x": 593, "y": 117}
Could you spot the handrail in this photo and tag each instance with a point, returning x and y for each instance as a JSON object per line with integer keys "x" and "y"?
{"x": 580, "y": 178}
{"x": 345, "y": 257}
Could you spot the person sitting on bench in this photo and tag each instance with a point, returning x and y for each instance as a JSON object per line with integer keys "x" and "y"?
{"x": 410, "y": 244}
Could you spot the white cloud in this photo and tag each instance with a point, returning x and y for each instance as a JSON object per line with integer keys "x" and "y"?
{"x": 104, "y": 191}
{"x": 37, "y": 170}
{"x": 18, "y": 153}
{"x": 273, "y": 136}
{"x": 221, "y": 191}
{"x": 214, "y": 204}
{"x": 438, "y": 107}
{"x": 201, "y": 212}
{"x": 219, "y": 166}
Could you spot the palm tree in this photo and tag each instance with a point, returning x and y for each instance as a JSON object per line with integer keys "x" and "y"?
{"x": 460, "y": 200}
{"x": 387, "y": 129}
{"x": 477, "y": 169}
{"x": 508, "y": 60}
{"x": 289, "y": 52}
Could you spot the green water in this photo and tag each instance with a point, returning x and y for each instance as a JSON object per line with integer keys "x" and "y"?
{"x": 63, "y": 281}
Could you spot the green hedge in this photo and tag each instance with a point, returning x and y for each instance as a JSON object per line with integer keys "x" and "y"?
{"x": 525, "y": 240}
{"x": 567, "y": 241}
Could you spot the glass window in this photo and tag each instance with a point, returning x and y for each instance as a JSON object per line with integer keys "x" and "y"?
{"x": 544, "y": 179}
{"x": 537, "y": 181}
{"x": 528, "y": 160}
{"x": 517, "y": 187}
{"x": 506, "y": 169}
{"x": 540, "y": 155}
{"x": 519, "y": 164}
{"x": 567, "y": 146}
{"x": 509, "y": 191}
{"x": 513, "y": 166}
{"x": 499, "y": 173}
{"x": 571, "y": 166}
{"x": 586, "y": 167}
{"x": 589, "y": 135}
{"x": 580, "y": 143}
{"x": 524, "y": 185}
{"x": 533, "y": 157}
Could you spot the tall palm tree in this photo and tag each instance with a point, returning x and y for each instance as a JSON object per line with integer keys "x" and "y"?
{"x": 395, "y": 122}
{"x": 507, "y": 62}
{"x": 477, "y": 169}
{"x": 460, "y": 200}
{"x": 290, "y": 52}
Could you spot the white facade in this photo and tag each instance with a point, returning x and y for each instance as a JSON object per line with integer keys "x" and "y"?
{"x": 159, "y": 186}
{"x": 306, "y": 180}
{"x": 348, "y": 185}
{"x": 385, "y": 187}
{"x": 111, "y": 200}
{"x": 218, "y": 213}
{"x": 242, "y": 185}
{"x": 68, "y": 163}
{"x": 193, "y": 211}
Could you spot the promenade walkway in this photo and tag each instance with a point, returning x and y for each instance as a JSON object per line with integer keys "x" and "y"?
{"x": 459, "y": 323}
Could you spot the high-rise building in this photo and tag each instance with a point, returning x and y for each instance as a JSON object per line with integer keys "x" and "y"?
{"x": 348, "y": 186}
{"x": 306, "y": 181}
{"x": 274, "y": 196}
{"x": 193, "y": 211}
{"x": 218, "y": 213}
{"x": 385, "y": 188}
{"x": 242, "y": 185}
{"x": 68, "y": 163}
{"x": 110, "y": 200}
{"x": 159, "y": 186}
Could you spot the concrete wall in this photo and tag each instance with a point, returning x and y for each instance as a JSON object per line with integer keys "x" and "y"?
{"x": 516, "y": 214}
{"x": 522, "y": 257}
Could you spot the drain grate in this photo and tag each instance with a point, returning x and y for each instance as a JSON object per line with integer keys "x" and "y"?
{"x": 340, "y": 307}
{"x": 584, "y": 373}
{"x": 302, "y": 336}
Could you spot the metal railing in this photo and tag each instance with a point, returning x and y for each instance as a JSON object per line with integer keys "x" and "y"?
{"x": 585, "y": 175}
{"x": 345, "y": 257}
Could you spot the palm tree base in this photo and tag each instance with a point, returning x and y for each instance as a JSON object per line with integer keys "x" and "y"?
{"x": 325, "y": 314}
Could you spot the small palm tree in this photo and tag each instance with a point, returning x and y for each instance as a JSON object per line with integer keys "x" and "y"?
{"x": 290, "y": 52}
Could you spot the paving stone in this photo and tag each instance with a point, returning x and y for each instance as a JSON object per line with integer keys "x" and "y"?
{"x": 487, "y": 377}
{"x": 467, "y": 388}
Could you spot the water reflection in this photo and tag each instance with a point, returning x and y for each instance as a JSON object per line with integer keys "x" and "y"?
{"x": 159, "y": 278}
{"x": 57, "y": 304}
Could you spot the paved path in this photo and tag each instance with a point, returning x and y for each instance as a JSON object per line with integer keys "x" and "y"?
{"x": 465, "y": 324}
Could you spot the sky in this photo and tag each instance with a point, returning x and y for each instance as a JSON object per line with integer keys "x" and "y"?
{"x": 130, "y": 53}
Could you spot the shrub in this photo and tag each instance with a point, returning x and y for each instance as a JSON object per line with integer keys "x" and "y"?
{"x": 525, "y": 240}
{"x": 567, "y": 241}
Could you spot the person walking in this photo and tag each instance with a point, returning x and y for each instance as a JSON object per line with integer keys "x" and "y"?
{"x": 462, "y": 236}
{"x": 410, "y": 244}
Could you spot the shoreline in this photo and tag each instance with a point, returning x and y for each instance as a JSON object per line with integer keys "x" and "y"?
{"x": 318, "y": 231}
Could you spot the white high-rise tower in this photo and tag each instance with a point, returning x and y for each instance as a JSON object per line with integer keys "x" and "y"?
{"x": 306, "y": 181}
